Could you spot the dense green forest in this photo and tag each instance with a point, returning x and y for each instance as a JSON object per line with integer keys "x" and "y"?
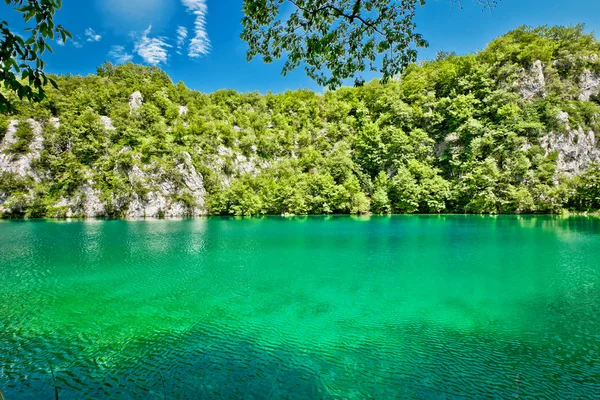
{"x": 464, "y": 134}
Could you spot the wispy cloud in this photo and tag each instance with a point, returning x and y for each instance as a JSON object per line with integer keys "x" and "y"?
{"x": 119, "y": 55}
{"x": 92, "y": 36}
{"x": 76, "y": 41}
{"x": 182, "y": 34}
{"x": 200, "y": 43}
{"x": 152, "y": 50}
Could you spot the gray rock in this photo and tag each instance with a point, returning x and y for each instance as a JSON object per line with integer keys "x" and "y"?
{"x": 576, "y": 148}
{"x": 564, "y": 117}
{"x": 194, "y": 183}
{"x": 180, "y": 209}
{"x": 239, "y": 163}
{"x": 161, "y": 200}
{"x": 85, "y": 202}
{"x": 589, "y": 83}
{"x": 55, "y": 122}
{"x": 92, "y": 205}
{"x": 532, "y": 83}
{"x": 151, "y": 206}
{"x": 448, "y": 141}
{"x": 135, "y": 102}
{"x": 107, "y": 122}
{"x": 21, "y": 164}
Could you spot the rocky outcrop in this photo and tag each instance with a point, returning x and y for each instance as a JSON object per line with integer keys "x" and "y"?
{"x": 167, "y": 197}
{"x": 532, "y": 83}
{"x": 576, "y": 148}
{"x": 107, "y": 122}
{"x": 55, "y": 122}
{"x": 228, "y": 162}
{"x": 85, "y": 202}
{"x": 153, "y": 204}
{"x": 135, "y": 102}
{"x": 21, "y": 164}
{"x": 589, "y": 83}
{"x": 155, "y": 192}
{"x": 441, "y": 147}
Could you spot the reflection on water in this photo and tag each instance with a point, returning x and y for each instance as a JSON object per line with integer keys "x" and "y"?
{"x": 424, "y": 307}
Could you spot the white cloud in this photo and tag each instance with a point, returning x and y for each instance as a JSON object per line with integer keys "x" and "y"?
{"x": 119, "y": 55}
{"x": 92, "y": 36}
{"x": 152, "y": 50}
{"x": 182, "y": 34}
{"x": 200, "y": 43}
{"x": 76, "y": 41}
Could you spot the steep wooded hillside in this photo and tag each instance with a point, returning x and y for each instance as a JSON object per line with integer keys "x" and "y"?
{"x": 512, "y": 128}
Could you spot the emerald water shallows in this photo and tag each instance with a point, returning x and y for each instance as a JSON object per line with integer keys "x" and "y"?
{"x": 415, "y": 307}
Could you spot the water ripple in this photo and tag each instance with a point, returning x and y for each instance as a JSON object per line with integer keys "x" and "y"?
{"x": 400, "y": 307}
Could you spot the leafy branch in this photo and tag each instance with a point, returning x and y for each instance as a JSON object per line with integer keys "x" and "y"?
{"x": 336, "y": 39}
{"x": 21, "y": 65}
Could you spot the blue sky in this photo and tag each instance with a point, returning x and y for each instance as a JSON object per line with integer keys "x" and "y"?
{"x": 197, "y": 41}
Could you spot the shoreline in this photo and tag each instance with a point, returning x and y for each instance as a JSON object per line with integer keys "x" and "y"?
{"x": 595, "y": 214}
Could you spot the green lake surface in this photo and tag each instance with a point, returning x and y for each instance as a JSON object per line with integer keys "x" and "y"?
{"x": 403, "y": 307}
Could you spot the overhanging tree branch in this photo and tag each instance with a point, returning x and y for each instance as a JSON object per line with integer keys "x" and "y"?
{"x": 336, "y": 39}
{"x": 21, "y": 66}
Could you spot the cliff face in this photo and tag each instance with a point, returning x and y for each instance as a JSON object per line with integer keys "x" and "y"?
{"x": 180, "y": 193}
{"x": 575, "y": 146}
{"x": 589, "y": 83}
{"x": 21, "y": 164}
{"x": 164, "y": 191}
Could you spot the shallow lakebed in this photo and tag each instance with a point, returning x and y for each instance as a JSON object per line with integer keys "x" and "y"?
{"x": 415, "y": 307}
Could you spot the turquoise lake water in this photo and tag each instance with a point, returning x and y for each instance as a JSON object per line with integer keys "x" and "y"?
{"x": 408, "y": 307}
